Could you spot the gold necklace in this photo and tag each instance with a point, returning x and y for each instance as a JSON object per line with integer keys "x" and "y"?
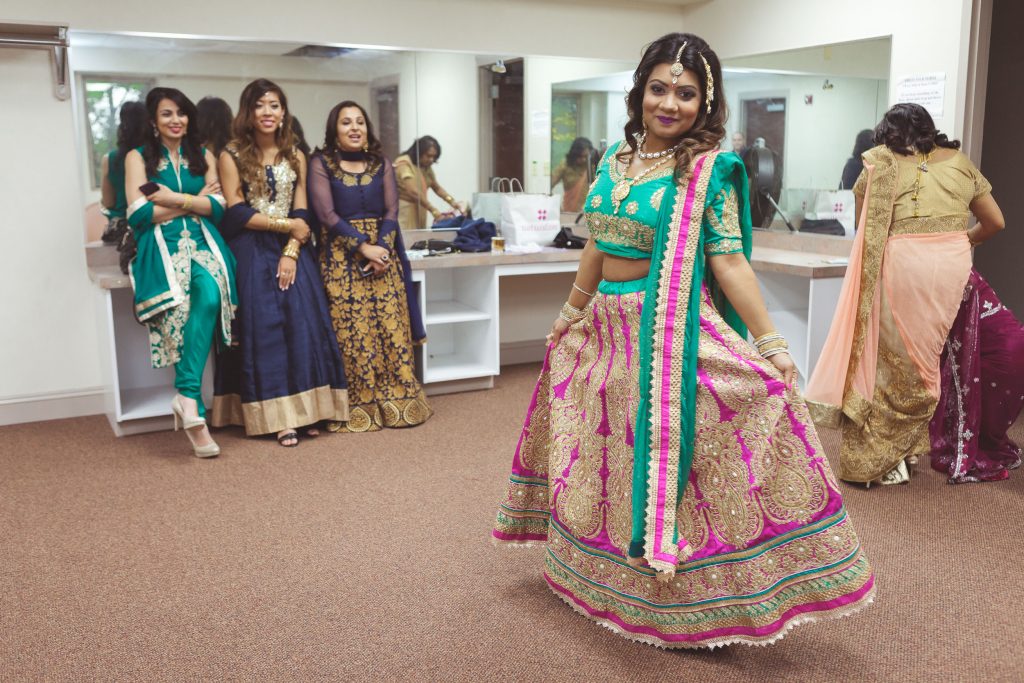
{"x": 622, "y": 188}
{"x": 921, "y": 168}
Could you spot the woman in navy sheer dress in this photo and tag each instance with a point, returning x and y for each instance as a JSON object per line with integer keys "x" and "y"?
{"x": 286, "y": 372}
{"x": 366, "y": 273}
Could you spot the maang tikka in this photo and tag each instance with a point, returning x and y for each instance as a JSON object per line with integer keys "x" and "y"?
{"x": 677, "y": 67}
{"x": 677, "y": 70}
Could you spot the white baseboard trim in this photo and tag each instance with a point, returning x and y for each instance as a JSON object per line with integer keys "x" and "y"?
{"x": 55, "y": 405}
{"x": 517, "y": 353}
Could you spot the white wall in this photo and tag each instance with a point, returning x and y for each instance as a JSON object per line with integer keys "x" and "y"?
{"x": 48, "y": 338}
{"x": 927, "y": 35}
{"x": 819, "y": 136}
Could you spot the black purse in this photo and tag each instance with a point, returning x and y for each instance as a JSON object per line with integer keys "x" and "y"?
{"x": 567, "y": 239}
{"x": 126, "y": 248}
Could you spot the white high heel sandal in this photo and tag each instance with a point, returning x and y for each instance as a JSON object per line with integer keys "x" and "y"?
{"x": 211, "y": 449}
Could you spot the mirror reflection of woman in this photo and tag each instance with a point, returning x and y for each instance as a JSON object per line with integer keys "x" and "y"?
{"x": 911, "y": 295}
{"x": 415, "y": 172}
{"x": 666, "y": 463}
{"x": 286, "y": 373}
{"x": 366, "y": 274}
{"x": 183, "y": 274}
{"x": 575, "y": 173}
{"x": 132, "y": 128}
{"x": 214, "y": 123}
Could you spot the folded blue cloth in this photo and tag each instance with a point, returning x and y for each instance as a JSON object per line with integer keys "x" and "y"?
{"x": 475, "y": 235}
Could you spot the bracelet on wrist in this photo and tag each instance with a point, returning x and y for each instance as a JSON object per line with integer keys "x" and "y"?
{"x": 571, "y": 314}
{"x": 186, "y": 203}
{"x": 583, "y": 291}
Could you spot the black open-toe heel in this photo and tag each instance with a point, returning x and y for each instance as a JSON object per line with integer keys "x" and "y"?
{"x": 289, "y": 439}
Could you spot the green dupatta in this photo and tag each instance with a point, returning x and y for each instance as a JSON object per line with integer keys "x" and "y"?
{"x": 669, "y": 332}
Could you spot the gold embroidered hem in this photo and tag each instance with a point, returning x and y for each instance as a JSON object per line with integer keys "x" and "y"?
{"x": 276, "y": 414}
{"x": 393, "y": 414}
{"x": 825, "y": 415}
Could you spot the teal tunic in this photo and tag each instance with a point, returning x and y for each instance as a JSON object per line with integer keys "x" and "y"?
{"x": 115, "y": 173}
{"x": 161, "y": 270}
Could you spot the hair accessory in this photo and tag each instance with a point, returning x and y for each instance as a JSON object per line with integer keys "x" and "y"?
{"x": 677, "y": 67}
{"x": 709, "y": 95}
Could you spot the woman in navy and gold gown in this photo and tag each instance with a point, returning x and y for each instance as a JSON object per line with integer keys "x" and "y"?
{"x": 366, "y": 274}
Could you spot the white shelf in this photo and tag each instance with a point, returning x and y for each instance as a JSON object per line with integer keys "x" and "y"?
{"x": 444, "y": 368}
{"x": 443, "y": 312}
{"x": 138, "y": 404}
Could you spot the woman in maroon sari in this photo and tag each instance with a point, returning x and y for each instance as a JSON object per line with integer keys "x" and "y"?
{"x": 982, "y": 390}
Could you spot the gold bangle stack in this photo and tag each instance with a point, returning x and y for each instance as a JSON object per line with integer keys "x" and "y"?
{"x": 583, "y": 291}
{"x": 770, "y": 344}
{"x": 571, "y": 314}
{"x": 186, "y": 203}
{"x": 282, "y": 225}
{"x": 291, "y": 250}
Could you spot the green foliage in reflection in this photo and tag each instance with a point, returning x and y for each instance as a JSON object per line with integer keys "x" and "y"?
{"x": 103, "y": 100}
{"x": 565, "y": 125}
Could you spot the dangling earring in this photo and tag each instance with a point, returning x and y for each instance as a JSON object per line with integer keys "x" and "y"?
{"x": 156, "y": 133}
{"x": 641, "y": 138}
{"x": 366, "y": 147}
{"x": 280, "y": 125}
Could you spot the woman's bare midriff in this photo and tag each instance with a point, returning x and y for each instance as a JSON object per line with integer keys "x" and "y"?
{"x": 619, "y": 269}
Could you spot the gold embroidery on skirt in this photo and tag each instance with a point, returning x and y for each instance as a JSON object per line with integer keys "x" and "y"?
{"x": 878, "y": 435}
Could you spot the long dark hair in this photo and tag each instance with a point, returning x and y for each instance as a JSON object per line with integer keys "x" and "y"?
{"x": 421, "y": 146}
{"x": 214, "y": 123}
{"x": 300, "y": 136}
{"x": 330, "y": 150}
{"x": 709, "y": 128}
{"x": 131, "y": 130}
{"x": 908, "y": 128}
{"x": 191, "y": 148}
{"x": 864, "y": 141}
{"x": 247, "y": 152}
{"x": 580, "y": 148}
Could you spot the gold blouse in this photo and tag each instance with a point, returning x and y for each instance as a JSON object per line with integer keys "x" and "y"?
{"x": 944, "y": 194}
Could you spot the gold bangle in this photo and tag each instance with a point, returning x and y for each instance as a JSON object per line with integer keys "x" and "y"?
{"x": 767, "y": 336}
{"x": 571, "y": 314}
{"x": 186, "y": 203}
{"x": 583, "y": 291}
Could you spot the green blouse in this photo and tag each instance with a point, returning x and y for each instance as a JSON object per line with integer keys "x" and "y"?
{"x": 115, "y": 172}
{"x": 628, "y": 230}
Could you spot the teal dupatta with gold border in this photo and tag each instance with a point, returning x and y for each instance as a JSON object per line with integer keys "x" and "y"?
{"x": 669, "y": 332}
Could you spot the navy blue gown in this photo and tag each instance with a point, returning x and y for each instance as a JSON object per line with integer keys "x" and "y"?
{"x": 286, "y": 371}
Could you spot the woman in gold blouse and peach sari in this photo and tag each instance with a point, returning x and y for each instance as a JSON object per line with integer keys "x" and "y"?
{"x": 879, "y": 377}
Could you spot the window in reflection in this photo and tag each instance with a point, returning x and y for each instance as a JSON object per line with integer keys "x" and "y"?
{"x": 103, "y": 98}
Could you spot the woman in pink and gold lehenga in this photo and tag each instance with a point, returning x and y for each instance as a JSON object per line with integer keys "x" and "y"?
{"x": 670, "y": 472}
{"x": 879, "y": 376}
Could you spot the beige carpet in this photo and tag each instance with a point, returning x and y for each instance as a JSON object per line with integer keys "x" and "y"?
{"x": 366, "y": 558}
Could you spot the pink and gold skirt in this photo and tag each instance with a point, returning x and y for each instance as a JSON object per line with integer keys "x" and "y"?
{"x": 773, "y": 544}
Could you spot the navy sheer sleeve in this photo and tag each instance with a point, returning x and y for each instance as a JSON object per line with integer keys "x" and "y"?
{"x": 321, "y": 198}
{"x": 390, "y": 222}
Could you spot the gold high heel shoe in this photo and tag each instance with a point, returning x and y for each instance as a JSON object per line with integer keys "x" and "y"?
{"x": 211, "y": 449}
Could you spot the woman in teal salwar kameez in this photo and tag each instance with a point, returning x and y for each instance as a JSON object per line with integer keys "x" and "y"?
{"x": 666, "y": 465}
{"x": 183, "y": 273}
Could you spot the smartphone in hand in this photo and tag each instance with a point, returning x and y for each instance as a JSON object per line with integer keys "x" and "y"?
{"x": 148, "y": 188}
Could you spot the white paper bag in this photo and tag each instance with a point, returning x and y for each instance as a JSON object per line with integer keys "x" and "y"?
{"x": 530, "y": 218}
{"x": 487, "y": 205}
{"x": 835, "y": 204}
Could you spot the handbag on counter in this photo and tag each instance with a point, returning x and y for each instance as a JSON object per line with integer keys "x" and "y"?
{"x": 567, "y": 239}
{"x": 126, "y": 248}
{"x": 530, "y": 218}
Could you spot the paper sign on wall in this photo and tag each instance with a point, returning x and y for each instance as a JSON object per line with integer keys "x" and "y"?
{"x": 928, "y": 90}
{"x": 540, "y": 122}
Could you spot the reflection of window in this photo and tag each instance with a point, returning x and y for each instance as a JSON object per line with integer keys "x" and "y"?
{"x": 103, "y": 100}
{"x": 565, "y": 125}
